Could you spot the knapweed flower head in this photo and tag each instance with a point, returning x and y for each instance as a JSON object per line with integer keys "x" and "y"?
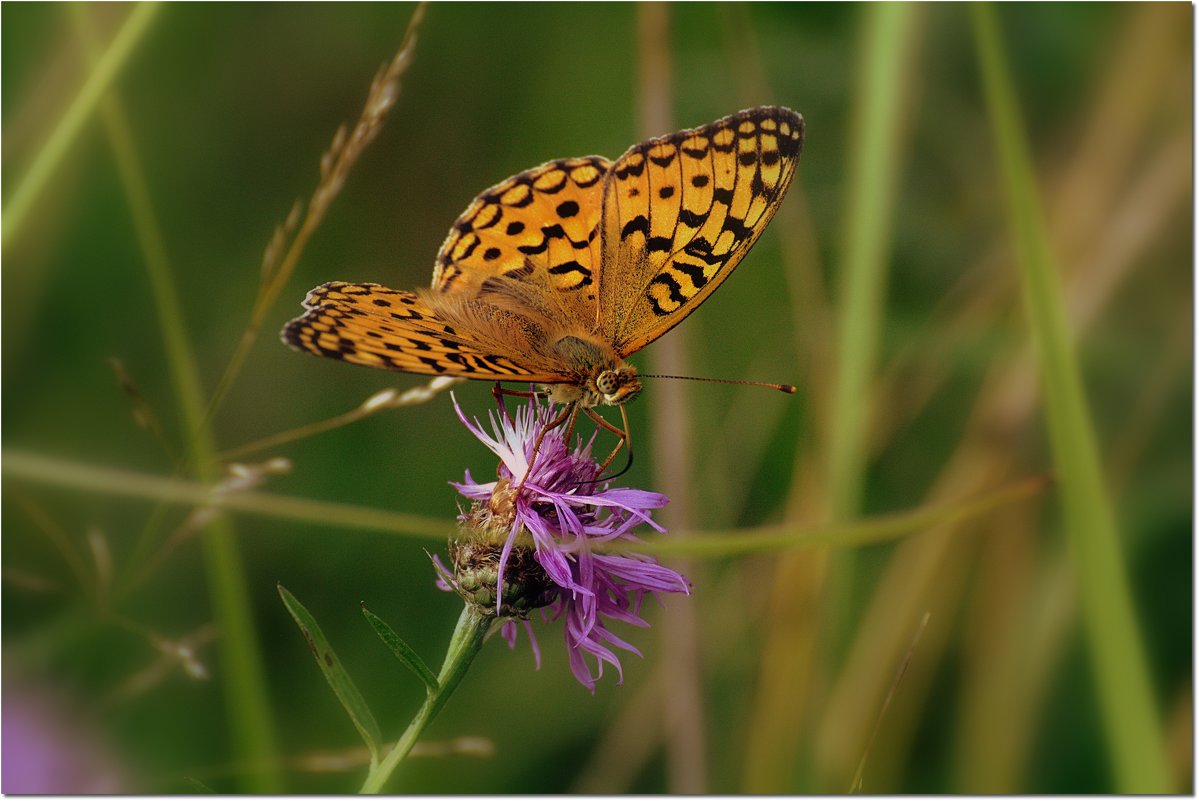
{"x": 529, "y": 540}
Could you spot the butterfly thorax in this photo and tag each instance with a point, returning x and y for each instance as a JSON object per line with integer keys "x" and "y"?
{"x": 601, "y": 376}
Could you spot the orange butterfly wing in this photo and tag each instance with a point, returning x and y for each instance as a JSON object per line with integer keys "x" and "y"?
{"x": 682, "y": 210}
{"x": 545, "y": 270}
{"x": 540, "y": 229}
{"x": 375, "y": 326}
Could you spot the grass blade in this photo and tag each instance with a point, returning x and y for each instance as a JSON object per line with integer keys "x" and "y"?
{"x": 127, "y": 483}
{"x": 403, "y": 651}
{"x": 888, "y": 44}
{"x": 1126, "y": 696}
{"x": 55, "y": 472}
{"x": 775, "y": 539}
{"x": 887, "y": 51}
{"x": 343, "y": 686}
{"x": 81, "y": 108}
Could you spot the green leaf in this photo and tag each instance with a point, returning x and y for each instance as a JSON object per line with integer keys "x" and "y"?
{"x": 403, "y": 651}
{"x": 335, "y": 674}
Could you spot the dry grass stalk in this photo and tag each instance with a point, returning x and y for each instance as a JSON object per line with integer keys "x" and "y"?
{"x": 280, "y": 258}
{"x": 239, "y": 478}
{"x": 172, "y": 654}
{"x": 335, "y": 165}
{"x": 344, "y": 760}
{"x": 381, "y": 401}
{"x": 143, "y": 414}
{"x": 670, "y": 413}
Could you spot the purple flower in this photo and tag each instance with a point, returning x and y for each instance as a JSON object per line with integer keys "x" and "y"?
{"x": 529, "y": 540}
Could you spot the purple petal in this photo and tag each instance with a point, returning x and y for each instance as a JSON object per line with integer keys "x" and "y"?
{"x": 643, "y": 573}
{"x": 534, "y": 645}
{"x": 504, "y": 554}
{"x": 508, "y": 632}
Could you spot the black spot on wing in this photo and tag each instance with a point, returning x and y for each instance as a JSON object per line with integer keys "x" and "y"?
{"x": 672, "y": 289}
{"x": 738, "y": 227}
{"x": 663, "y": 161}
{"x": 533, "y": 250}
{"x": 583, "y": 275}
{"x": 630, "y": 169}
{"x": 694, "y": 272}
{"x": 640, "y": 223}
{"x": 701, "y": 249}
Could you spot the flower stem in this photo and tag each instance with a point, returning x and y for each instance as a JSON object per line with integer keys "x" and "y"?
{"x": 464, "y": 645}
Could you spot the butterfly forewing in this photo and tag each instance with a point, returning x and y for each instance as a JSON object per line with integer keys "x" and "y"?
{"x": 681, "y": 211}
{"x": 541, "y": 226}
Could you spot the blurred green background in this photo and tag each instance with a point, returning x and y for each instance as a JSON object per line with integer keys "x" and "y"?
{"x": 887, "y": 288}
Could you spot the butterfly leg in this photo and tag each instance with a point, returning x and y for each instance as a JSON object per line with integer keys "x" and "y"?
{"x": 498, "y": 391}
{"x": 568, "y": 413}
{"x": 623, "y": 440}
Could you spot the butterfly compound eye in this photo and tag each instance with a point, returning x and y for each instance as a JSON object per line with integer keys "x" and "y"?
{"x": 618, "y": 386}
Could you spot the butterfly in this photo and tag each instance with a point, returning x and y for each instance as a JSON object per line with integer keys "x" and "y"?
{"x": 558, "y": 274}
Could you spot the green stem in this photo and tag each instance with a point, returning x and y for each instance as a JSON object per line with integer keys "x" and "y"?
{"x": 246, "y": 693}
{"x": 885, "y": 75}
{"x": 889, "y": 39}
{"x": 39, "y": 469}
{"x": 464, "y": 645}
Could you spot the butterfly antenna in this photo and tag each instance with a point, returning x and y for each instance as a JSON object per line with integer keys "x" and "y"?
{"x": 788, "y": 388}
{"x": 628, "y": 465}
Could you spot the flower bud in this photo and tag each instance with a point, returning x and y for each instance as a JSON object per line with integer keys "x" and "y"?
{"x": 475, "y": 560}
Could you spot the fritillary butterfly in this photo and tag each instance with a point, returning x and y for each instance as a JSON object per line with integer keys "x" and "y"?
{"x": 556, "y": 275}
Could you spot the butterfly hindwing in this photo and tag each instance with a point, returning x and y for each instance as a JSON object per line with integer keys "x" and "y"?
{"x": 681, "y": 211}
{"x": 373, "y": 325}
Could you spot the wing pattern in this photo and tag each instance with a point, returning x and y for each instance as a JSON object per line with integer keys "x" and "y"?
{"x": 544, "y": 221}
{"x": 561, "y": 271}
{"x": 373, "y": 325}
{"x": 681, "y": 211}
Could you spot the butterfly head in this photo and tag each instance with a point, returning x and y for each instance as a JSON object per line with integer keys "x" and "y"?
{"x": 617, "y": 385}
